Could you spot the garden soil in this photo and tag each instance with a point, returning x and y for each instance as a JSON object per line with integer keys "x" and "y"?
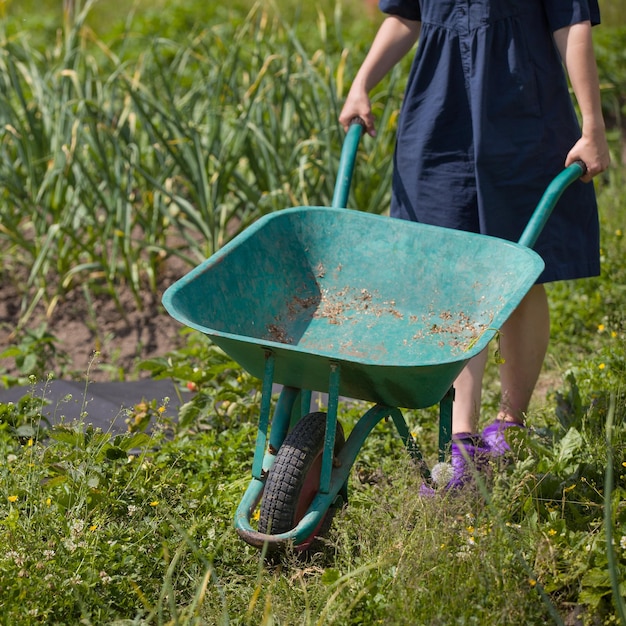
{"x": 121, "y": 333}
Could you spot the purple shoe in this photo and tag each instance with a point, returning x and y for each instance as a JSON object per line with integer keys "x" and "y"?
{"x": 468, "y": 455}
{"x": 494, "y": 437}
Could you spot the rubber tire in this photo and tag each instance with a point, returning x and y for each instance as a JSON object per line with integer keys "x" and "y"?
{"x": 293, "y": 479}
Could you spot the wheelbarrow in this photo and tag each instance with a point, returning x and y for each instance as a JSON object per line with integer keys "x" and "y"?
{"x": 353, "y": 305}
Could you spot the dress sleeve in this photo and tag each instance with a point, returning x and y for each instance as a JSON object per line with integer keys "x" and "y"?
{"x": 408, "y": 9}
{"x": 563, "y": 13}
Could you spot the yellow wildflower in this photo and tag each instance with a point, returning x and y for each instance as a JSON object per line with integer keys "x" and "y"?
{"x": 154, "y": 503}
{"x": 12, "y": 498}
{"x": 601, "y": 328}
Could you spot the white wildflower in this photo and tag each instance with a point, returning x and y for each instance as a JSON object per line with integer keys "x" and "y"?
{"x": 16, "y": 557}
{"x": 105, "y": 578}
{"x": 70, "y": 544}
{"x": 442, "y": 474}
{"x": 465, "y": 552}
{"x": 77, "y": 527}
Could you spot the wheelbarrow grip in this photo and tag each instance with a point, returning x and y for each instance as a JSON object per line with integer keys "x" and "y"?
{"x": 582, "y": 165}
{"x": 346, "y": 162}
{"x": 360, "y": 121}
{"x": 548, "y": 201}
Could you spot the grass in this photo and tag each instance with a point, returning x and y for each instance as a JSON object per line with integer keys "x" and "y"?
{"x": 139, "y": 527}
{"x": 113, "y": 149}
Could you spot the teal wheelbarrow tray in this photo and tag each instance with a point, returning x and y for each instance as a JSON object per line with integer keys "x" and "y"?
{"x": 355, "y": 305}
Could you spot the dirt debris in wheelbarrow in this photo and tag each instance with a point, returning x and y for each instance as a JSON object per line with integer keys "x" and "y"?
{"x": 360, "y": 307}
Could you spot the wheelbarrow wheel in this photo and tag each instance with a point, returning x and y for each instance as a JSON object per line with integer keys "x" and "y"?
{"x": 294, "y": 478}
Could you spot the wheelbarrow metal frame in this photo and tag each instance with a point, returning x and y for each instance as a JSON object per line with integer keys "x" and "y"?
{"x": 335, "y": 470}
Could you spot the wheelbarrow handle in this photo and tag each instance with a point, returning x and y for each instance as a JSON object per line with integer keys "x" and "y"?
{"x": 346, "y": 163}
{"x": 548, "y": 201}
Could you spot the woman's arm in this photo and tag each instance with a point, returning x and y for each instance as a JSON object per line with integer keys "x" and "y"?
{"x": 576, "y": 48}
{"x": 395, "y": 37}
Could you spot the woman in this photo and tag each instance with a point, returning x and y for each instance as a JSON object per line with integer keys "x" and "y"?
{"x": 486, "y": 123}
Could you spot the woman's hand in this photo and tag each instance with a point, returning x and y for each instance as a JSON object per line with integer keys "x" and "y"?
{"x": 395, "y": 37}
{"x": 358, "y": 105}
{"x": 593, "y": 150}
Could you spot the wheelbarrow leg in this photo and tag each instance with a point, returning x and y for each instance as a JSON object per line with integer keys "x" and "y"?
{"x": 409, "y": 443}
{"x": 304, "y": 409}
{"x": 281, "y": 420}
{"x": 286, "y": 413}
{"x": 331, "y": 427}
{"x": 264, "y": 417}
{"x": 445, "y": 423}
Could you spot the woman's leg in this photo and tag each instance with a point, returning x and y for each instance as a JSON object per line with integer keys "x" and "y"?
{"x": 467, "y": 395}
{"x": 523, "y": 344}
{"x": 524, "y": 340}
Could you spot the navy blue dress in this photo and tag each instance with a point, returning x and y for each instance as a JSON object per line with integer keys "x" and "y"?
{"x": 486, "y": 123}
